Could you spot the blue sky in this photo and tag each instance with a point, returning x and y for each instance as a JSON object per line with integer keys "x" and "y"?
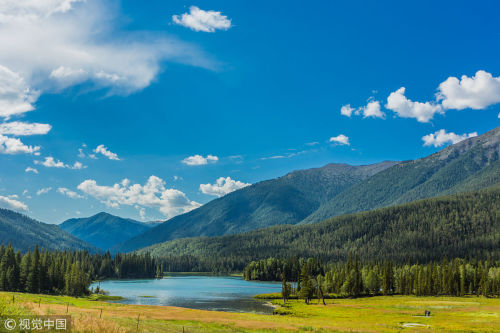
{"x": 257, "y": 87}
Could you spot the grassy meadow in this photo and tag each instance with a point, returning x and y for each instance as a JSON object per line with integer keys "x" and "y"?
{"x": 372, "y": 314}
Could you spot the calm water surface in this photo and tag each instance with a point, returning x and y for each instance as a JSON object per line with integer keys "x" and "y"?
{"x": 220, "y": 293}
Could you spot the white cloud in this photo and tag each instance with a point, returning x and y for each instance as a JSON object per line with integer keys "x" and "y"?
{"x": 68, "y": 76}
{"x": 406, "y": 108}
{"x": 372, "y": 109}
{"x": 11, "y": 10}
{"x": 30, "y": 169}
{"x": 17, "y": 128}
{"x": 340, "y": 139}
{"x": 101, "y": 149}
{"x": 153, "y": 194}
{"x": 441, "y": 138}
{"x": 77, "y": 166}
{"x": 347, "y": 110}
{"x": 142, "y": 214}
{"x": 15, "y": 95}
{"x": 477, "y": 92}
{"x": 69, "y": 193}
{"x": 50, "y": 162}
{"x": 10, "y": 203}
{"x": 222, "y": 186}
{"x": 13, "y": 146}
{"x": 201, "y": 20}
{"x": 275, "y": 157}
{"x": 44, "y": 190}
{"x": 200, "y": 160}
{"x": 49, "y": 45}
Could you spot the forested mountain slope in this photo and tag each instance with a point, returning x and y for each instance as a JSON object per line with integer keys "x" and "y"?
{"x": 25, "y": 233}
{"x": 104, "y": 230}
{"x": 469, "y": 165}
{"x": 284, "y": 200}
{"x": 462, "y": 225}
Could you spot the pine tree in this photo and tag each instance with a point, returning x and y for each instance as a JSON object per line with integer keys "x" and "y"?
{"x": 307, "y": 289}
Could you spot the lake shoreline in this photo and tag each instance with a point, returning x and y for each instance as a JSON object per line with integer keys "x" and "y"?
{"x": 221, "y": 293}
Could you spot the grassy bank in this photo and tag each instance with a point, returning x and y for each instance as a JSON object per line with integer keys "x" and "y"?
{"x": 374, "y": 314}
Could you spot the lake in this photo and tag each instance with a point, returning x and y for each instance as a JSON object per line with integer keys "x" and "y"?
{"x": 219, "y": 293}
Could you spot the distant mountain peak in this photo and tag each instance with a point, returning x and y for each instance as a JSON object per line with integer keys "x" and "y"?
{"x": 105, "y": 230}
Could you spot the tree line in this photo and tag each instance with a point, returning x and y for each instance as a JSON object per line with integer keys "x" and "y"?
{"x": 68, "y": 272}
{"x": 457, "y": 277}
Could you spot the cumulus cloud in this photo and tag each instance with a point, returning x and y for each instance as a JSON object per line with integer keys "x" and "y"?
{"x": 347, "y": 110}
{"x": 372, "y": 109}
{"x": 101, "y": 149}
{"x": 17, "y": 128}
{"x": 30, "y": 169}
{"x": 12, "y": 146}
{"x": 10, "y": 203}
{"x": 50, "y": 162}
{"x": 477, "y": 92}
{"x": 153, "y": 194}
{"x": 200, "y": 160}
{"x": 406, "y": 108}
{"x": 222, "y": 186}
{"x": 340, "y": 139}
{"x": 16, "y": 97}
{"x": 441, "y": 137}
{"x": 44, "y": 190}
{"x": 69, "y": 193}
{"x": 201, "y": 20}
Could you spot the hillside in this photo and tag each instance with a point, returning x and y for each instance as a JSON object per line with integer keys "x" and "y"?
{"x": 469, "y": 165}
{"x": 463, "y": 225}
{"x": 104, "y": 230}
{"x": 24, "y": 233}
{"x": 284, "y": 200}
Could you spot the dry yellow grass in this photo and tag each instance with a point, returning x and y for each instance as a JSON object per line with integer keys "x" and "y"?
{"x": 376, "y": 314}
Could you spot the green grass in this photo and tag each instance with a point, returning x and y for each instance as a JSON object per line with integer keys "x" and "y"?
{"x": 371, "y": 314}
{"x": 96, "y": 297}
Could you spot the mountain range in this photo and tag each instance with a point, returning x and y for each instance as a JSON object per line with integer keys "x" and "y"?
{"x": 284, "y": 200}
{"x": 298, "y": 198}
{"x": 461, "y": 225}
{"x": 313, "y": 195}
{"x": 25, "y": 233}
{"x": 468, "y": 165}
